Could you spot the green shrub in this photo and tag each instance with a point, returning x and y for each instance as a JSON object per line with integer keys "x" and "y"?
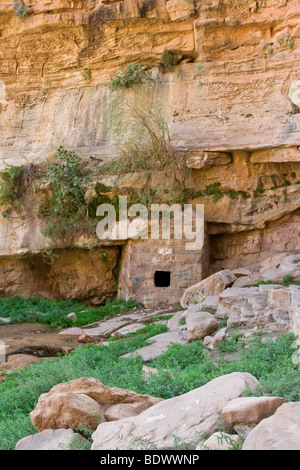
{"x": 21, "y": 11}
{"x": 127, "y": 77}
{"x": 169, "y": 59}
{"x": 15, "y": 182}
{"x": 66, "y": 205}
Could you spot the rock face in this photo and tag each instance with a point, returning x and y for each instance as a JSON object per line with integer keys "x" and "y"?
{"x": 279, "y": 432}
{"x": 197, "y": 412}
{"x": 76, "y": 273}
{"x": 244, "y": 157}
{"x": 52, "y": 439}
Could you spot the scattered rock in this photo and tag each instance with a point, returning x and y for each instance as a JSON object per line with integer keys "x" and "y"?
{"x": 276, "y": 270}
{"x": 74, "y": 331}
{"x": 125, "y": 410}
{"x": 200, "y": 324}
{"x": 84, "y": 338}
{"x": 213, "y": 341}
{"x": 278, "y": 432}
{"x": 72, "y": 315}
{"x": 52, "y": 439}
{"x": 5, "y": 320}
{"x": 185, "y": 416}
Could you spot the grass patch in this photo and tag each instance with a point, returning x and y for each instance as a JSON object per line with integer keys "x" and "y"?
{"x": 53, "y": 312}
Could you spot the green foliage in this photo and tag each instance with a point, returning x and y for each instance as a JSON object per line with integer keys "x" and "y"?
{"x": 10, "y": 187}
{"x": 140, "y": 129}
{"x": 230, "y": 344}
{"x": 287, "y": 279}
{"x": 53, "y": 312}
{"x": 200, "y": 72}
{"x": 67, "y": 182}
{"x": 15, "y": 182}
{"x": 212, "y": 189}
{"x": 231, "y": 443}
{"x": 49, "y": 256}
{"x": 127, "y": 77}
{"x": 66, "y": 205}
{"x": 86, "y": 74}
{"x": 20, "y": 11}
{"x": 169, "y": 59}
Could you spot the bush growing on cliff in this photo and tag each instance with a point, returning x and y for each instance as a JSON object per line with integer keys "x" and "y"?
{"x": 143, "y": 136}
{"x": 15, "y": 182}
{"x": 21, "y": 11}
{"x": 66, "y": 205}
{"x": 169, "y": 59}
{"x": 126, "y": 77}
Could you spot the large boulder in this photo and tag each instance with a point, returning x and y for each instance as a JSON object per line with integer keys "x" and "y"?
{"x": 186, "y": 417}
{"x": 86, "y": 401}
{"x": 66, "y": 410}
{"x": 278, "y": 432}
{"x": 211, "y": 286}
{"x": 101, "y": 393}
{"x": 52, "y": 439}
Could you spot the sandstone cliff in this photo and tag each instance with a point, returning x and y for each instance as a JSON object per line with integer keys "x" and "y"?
{"x": 232, "y": 102}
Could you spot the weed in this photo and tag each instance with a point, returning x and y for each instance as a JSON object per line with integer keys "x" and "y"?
{"x": 16, "y": 181}
{"x": 49, "y": 256}
{"x": 20, "y": 11}
{"x": 169, "y": 59}
{"x": 200, "y": 72}
{"x": 53, "y": 312}
{"x": 67, "y": 205}
{"x": 127, "y": 77}
{"x": 86, "y": 74}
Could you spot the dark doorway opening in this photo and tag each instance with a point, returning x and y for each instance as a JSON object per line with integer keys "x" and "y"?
{"x": 162, "y": 278}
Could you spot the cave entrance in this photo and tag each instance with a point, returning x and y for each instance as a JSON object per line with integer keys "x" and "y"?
{"x": 162, "y": 278}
